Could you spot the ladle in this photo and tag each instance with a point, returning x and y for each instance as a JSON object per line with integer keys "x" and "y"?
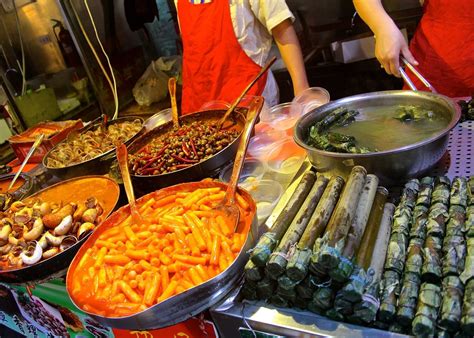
{"x": 237, "y": 101}
{"x": 228, "y": 206}
{"x": 174, "y": 106}
{"x": 122, "y": 157}
{"x": 35, "y": 145}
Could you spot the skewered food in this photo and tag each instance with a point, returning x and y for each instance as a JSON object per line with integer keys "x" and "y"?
{"x": 92, "y": 143}
{"x": 181, "y": 148}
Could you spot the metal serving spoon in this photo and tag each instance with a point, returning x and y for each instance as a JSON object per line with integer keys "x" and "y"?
{"x": 122, "y": 157}
{"x": 228, "y": 206}
{"x": 237, "y": 101}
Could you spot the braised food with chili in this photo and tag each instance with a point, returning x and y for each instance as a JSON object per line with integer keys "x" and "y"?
{"x": 92, "y": 143}
{"x": 181, "y": 148}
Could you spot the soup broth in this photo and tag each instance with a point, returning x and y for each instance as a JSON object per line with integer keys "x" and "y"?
{"x": 378, "y": 129}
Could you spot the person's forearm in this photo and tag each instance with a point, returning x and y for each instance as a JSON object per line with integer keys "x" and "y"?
{"x": 373, "y": 14}
{"x": 290, "y": 50}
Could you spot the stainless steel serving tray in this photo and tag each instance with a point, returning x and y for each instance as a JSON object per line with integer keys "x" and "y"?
{"x": 391, "y": 166}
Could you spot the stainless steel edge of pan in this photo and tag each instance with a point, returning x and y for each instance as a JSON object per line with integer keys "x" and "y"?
{"x": 98, "y": 165}
{"x": 392, "y": 166}
{"x": 189, "y": 303}
{"x": 148, "y": 183}
{"x": 57, "y": 264}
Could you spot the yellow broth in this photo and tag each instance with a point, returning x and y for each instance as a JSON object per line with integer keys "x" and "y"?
{"x": 376, "y": 128}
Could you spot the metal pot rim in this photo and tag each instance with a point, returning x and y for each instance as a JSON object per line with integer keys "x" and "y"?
{"x": 345, "y": 100}
{"x": 194, "y": 164}
{"x": 98, "y": 157}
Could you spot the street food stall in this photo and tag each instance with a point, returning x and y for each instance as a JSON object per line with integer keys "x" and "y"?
{"x": 322, "y": 216}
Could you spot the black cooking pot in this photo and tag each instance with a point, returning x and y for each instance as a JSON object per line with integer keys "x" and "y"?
{"x": 144, "y": 184}
{"x": 98, "y": 165}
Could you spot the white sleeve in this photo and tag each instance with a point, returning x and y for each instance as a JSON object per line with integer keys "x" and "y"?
{"x": 271, "y": 13}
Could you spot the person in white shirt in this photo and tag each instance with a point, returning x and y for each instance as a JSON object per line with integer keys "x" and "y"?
{"x": 226, "y": 42}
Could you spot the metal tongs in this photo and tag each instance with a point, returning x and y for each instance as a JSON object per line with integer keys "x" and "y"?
{"x": 407, "y": 79}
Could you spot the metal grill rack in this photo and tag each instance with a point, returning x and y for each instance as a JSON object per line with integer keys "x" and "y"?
{"x": 458, "y": 160}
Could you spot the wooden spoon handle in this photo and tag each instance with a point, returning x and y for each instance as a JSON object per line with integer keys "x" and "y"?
{"x": 174, "y": 106}
{"x": 237, "y": 101}
{"x": 254, "y": 110}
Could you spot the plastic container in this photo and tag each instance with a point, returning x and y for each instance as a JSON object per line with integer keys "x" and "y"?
{"x": 284, "y": 160}
{"x": 215, "y": 105}
{"x": 311, "y": 99}
{"x": 266, "y": 194}
{"x": 283, "y": 116}
{"x": 260, "y": 144}
{"x": 252, "y": 172}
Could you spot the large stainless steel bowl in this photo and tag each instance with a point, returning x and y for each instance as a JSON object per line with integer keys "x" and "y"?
{"x": 391, "y": 166}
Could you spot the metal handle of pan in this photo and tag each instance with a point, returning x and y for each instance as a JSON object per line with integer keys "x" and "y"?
{"x": 407, "y": 79}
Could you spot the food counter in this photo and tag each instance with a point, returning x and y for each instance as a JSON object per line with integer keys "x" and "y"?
{"x": 265, "y": 320}
{"x": 195, "y": 271}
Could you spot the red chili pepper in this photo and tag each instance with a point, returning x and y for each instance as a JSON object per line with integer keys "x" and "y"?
{"x": 185, "y": 160}
{"x": 151, "y": 170}
{"x": 185, "y": 148}
{"x": 182, "y": 166}
{"x": 154, "y": 158}
{"x": 194, "y": 148}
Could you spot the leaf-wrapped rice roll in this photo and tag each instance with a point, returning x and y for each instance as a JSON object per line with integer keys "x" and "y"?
{"x": 467, "y": 320}
{"x": 454, "y": 254}
{"x": 436, "y": 225}
{"x": 431, "y": 270}
{"x": 408, "y": 299}
{"x": 390, "y": 289}
{"x": 428, "y": 305}
{"x": 459, "y": 192}
{"x": 451, "y": 306}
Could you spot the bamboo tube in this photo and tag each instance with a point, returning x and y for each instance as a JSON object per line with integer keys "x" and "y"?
{"x": 344, "y": 269}
{"x": 278, "y": 259}
{"x": 341, "y": 220}
{"x": 371, "y": 232}
{"x": 270, "y": 239}
{"x": 298, "y": 263}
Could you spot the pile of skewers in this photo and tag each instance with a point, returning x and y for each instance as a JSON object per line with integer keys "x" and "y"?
{"x": 340, "y": 250}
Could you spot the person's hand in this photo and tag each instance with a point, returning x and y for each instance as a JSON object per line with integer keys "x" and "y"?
{"x": 389, "y": 44}
{"x": 297, "y": 90}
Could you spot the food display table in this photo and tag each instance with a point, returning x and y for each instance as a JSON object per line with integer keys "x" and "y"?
{"x": 256, "y": 317}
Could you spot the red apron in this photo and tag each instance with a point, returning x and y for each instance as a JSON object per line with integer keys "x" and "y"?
{"x": 443, "y": 46}
{"x": 214, "y": 65}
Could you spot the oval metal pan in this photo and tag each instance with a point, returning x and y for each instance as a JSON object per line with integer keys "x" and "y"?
{"x": 391, "y": 166}
{"x": 98, "y": 165}
{"x": 192, "y": 301}
{"x": 209, "y": 167}
{"x": 56, "y": 265}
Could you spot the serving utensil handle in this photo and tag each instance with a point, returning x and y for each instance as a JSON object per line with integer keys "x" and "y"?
{"x": 237, "y": 101}
{"x": 254, "y": 110}
{"x": 417, "y": 74}
{"x": 35, "y": 145}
